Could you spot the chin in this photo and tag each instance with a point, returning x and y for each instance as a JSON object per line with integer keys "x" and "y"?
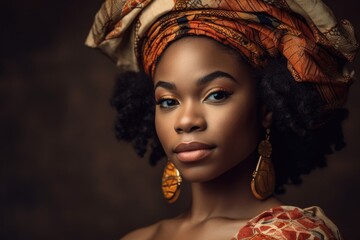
{"x": 200, "y": 174}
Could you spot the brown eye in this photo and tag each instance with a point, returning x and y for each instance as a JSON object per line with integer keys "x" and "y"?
{"x": 217, "y": 96}
{"x": 167, "y": 103}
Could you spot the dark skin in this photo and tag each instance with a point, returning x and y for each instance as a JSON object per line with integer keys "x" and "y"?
{"x": 206, "y": 94}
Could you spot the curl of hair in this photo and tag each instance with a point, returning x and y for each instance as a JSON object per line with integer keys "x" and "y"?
{"x": 302, "y": 134}
{"x": 133, "y": 100}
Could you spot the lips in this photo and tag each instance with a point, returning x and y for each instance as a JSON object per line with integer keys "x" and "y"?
{"x": 193, "y": 151}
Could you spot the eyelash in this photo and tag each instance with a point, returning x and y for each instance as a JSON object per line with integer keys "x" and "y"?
{"x": 173, "y": 102}
{"x": 225, "y": 95}
{"x": 163, "y": 100}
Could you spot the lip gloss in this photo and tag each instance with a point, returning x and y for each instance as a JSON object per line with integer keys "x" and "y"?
{"x": 194, "y": 155}
{"x": 192, "y": 151}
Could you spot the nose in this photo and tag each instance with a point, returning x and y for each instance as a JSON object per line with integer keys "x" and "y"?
{"x": 190, "y": 119}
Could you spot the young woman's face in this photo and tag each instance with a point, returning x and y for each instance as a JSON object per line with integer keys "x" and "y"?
{"x": 206, "y": 114}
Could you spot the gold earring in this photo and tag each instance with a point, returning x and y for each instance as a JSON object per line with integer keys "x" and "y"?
{"x": 171, "y": 181}
{"x": 263, "y": 178}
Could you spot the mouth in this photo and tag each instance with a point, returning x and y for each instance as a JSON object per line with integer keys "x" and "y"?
{"x": 192, "y": 151}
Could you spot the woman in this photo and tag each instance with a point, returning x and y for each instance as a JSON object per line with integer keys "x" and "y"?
{"x": 248, "y": 96}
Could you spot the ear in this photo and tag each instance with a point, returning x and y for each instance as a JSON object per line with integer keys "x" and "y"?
{"x": 266, "y": 117}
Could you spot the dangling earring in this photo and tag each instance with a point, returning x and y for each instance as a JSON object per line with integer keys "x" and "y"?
{"x": 263, "y": 178}
{"x": 171, "y": 181}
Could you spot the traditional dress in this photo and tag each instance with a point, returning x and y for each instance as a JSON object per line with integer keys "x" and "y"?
{"x": 134, "y": 33}
{"x": 289, "y": 223}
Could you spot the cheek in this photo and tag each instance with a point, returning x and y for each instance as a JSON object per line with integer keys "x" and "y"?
{"x": 163, "y": 130}
{"x": 238, "y": 129}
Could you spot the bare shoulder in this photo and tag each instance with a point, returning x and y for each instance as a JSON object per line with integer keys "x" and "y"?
{"x": 159, "y": 230}
{"x": 142, "y": 233}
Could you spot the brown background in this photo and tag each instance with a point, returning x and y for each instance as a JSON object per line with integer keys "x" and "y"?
{"x": 63, "y": 174}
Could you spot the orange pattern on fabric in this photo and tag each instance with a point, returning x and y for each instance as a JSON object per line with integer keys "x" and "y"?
{"x": 135, "y": 33}
{"x": 288, "y": 223}
{"x": 257, "y": 31}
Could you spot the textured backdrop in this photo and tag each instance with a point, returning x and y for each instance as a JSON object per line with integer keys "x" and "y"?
{"x": 64, "y": 176}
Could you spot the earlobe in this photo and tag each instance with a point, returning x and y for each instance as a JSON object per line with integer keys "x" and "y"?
{"x": 266, "y": 117}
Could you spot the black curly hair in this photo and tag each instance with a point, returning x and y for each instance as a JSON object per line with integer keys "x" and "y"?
{"x": 302, "y": 133}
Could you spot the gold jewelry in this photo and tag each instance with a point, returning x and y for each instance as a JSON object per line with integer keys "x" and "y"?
{"x": 263, "y": 178}
{"x": 171, "y": 181}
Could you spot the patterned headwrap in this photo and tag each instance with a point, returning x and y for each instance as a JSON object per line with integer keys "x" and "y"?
{"x": 316, "y": 46}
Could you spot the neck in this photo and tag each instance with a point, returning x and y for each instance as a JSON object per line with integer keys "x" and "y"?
{"x": 228, "y": 196}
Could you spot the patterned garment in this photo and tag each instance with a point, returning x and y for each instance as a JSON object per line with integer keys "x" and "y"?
{"x": 289, "y": 223}
{"x": 136, "y": 32}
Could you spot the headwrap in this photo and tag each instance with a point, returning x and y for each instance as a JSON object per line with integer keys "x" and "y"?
{"x": 316, "y": 46}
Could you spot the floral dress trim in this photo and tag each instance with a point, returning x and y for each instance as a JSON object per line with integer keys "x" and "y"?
{"x": 290, "y": 223}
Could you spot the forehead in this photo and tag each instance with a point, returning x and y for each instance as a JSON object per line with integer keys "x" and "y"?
{"x": 195, "y": 56}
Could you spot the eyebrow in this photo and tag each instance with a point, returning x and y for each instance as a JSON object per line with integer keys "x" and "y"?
{"x": 214, "y": 75}
{"x": 201, "y": 81}
{"x": 166, "y": 85}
